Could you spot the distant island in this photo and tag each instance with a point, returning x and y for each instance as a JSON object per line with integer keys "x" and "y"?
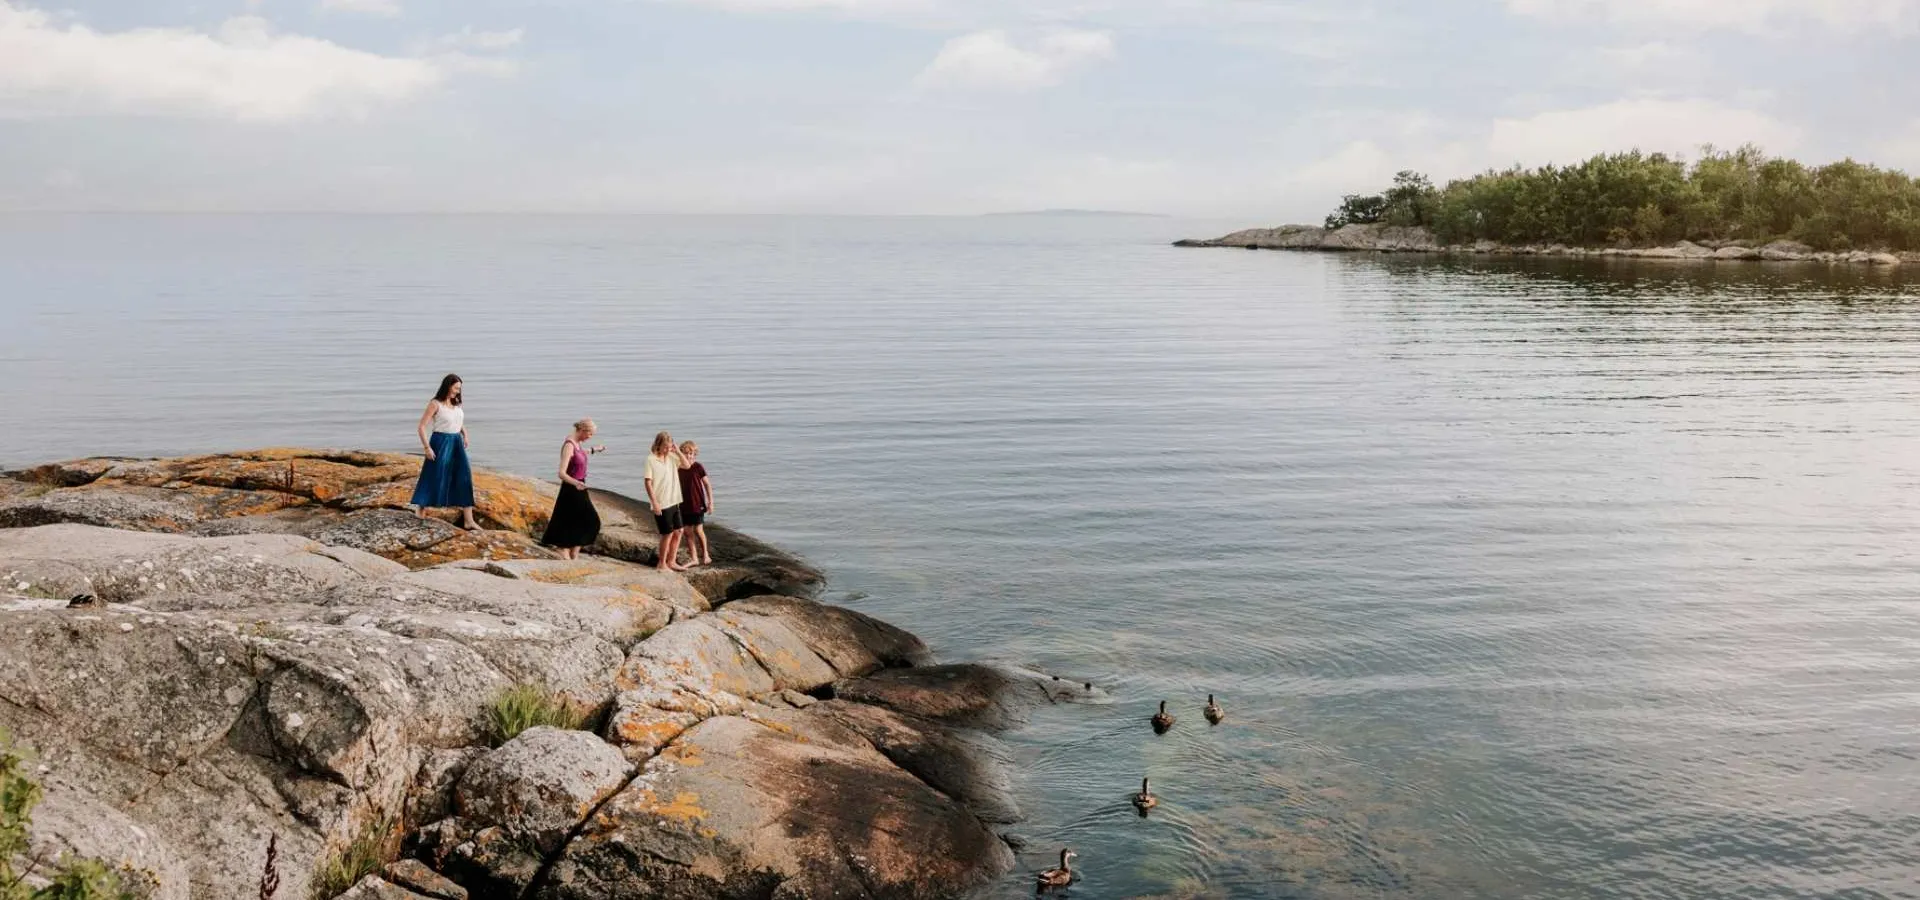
{"x": 1740, "y": 204}
{"x": 1101, "y": 213}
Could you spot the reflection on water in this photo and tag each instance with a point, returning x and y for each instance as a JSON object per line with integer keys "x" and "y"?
{"x": 1526, "y": 578}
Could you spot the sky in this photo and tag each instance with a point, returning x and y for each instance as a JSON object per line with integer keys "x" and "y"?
{"x": 1264, "y": 109}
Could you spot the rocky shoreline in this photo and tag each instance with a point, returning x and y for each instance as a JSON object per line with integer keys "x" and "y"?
{"x": 281, "y": 652}
{"x": 1395, "y": 239}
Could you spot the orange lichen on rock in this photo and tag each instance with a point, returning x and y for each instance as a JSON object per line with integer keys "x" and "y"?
{"x": 652, "y": 732}
{"x": 685, "y": 806}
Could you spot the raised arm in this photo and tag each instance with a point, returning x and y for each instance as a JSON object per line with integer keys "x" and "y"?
{"x": 426, "y": 419}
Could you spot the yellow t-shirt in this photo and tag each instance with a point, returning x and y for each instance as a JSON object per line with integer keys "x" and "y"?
{"x": 664, "y": 472}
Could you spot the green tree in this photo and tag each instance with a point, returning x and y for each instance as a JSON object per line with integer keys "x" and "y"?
{"x": 1643, "y": 198}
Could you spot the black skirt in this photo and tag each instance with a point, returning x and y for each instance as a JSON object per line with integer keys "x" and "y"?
{"x": 575, "y": 522}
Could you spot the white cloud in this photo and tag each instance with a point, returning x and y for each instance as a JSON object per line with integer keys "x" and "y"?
{"x": 1733, "y": 15}
{"x": 1650, "y": 124}
{"x": 482, "y": 41}
{"x": 1902, "y": 150}
{"x": 243, "y": 70}
{"x": 384, "y": 8}
{"x": 990, "y": 60}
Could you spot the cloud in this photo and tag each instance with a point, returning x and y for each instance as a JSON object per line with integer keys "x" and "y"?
{"x": 482, "y": 41}
{"x": 244, "y": 70}
{"x": 990, "y": 60}
{"x": 1651, "y": 124}
{"x": 1732, "y": 15}
{"x": 1368, "y": 162}
{"x": 1902, "y": 150}
{"x": 383, "y": 8}
{"x": 857, "y": 7}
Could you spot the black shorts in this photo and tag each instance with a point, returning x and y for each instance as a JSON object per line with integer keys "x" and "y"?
{"x": 668, "y": 520}
{"x": 690, "y": 518}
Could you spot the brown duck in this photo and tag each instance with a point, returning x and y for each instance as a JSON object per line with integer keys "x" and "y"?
{"x": 1162, "y": 720}
{"x": 1145, "y": 800}
{"x": 1057, "y": 878}
{"x": 1213, "y": 712}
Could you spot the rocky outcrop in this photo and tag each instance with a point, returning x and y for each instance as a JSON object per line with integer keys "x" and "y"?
{"x": 1397, "y": 239}
{"x": 280, "y": 658}
{"x": 356, "y": 499}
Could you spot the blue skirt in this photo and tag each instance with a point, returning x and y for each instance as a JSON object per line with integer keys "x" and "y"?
{"x": 447, "y": 479}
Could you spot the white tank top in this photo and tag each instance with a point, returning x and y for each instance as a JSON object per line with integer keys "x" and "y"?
{"x": 448, "y": 419}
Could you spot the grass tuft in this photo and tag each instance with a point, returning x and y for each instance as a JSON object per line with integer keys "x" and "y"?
{"x": 525, "y": 706}
{"x": 377, "y": 844}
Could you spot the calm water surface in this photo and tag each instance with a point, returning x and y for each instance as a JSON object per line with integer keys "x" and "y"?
{"x": 1518, "y": 580}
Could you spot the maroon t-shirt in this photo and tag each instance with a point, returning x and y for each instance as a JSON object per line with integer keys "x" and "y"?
{"x": 692, "y": 497}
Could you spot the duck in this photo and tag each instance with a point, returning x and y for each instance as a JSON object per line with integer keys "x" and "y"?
{"x": 85, "y": 601}
{"x": 1213, "y": 712}
{"x": 1145, "y": 800}
{"x": 1162, "y": 720}
{"x": 1058, "y": 878}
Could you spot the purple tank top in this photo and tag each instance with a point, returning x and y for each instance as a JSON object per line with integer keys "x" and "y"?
{"x": 577, "y": 470}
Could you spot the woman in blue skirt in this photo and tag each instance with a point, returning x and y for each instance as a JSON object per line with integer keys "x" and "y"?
{"x": 446, "y": 478}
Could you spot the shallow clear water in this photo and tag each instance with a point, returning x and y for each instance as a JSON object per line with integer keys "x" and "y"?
{"x": 1525, "y": 579}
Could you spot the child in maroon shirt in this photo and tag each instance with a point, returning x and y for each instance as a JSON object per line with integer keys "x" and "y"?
{"x": 696, "y": 500}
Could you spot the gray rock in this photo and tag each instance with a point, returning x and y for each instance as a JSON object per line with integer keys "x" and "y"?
{"x": 541, "y": 784}
{"x": 431, "y": 797}
{"x": 144, "y": 509}
{"x": 1786, "y": 251}
{"x": 791, "y": 806}
{"x": 125, "y": 566}
{"x": 965, "y": 765}
{"x": 381, "y": 531}
{"x": 611, "y": 614}
{"x": 974, "y": 695}
{"x": 1883, "y": 259}
{"x": 69, "y": 823}
{"x": 1735, "y": 252}
{"x": 670, "y": 588}
{"x": 743, "y": 566}
{"x": 271, "y": 676}
{"x": 851, "y": 642}
{"x": 414, "y": 875}
{"x": 373, "y": 887}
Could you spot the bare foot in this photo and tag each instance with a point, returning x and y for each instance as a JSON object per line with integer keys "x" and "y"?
{"x": 707, "y": 562}
{"x": 679, "y": 568}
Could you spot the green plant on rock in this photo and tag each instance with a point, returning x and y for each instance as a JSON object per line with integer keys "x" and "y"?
{"x": 525, "y": 706}
{"x": 377, "y": 844}
{"x": 70, "y": 879}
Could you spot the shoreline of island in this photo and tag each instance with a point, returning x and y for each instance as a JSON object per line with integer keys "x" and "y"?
{"x": 1414, "y": 239}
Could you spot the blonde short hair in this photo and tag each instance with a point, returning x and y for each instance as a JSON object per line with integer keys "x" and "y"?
{"x": 688, "y": 447}
{"x": 585, "y": 425}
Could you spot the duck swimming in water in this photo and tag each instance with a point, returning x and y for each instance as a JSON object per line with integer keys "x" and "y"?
{"x": 1162, "y": 720}
{"x": 1213, "y": 712}
{"x": 1058, "y": 878}
{"x": 1145, "y": 800}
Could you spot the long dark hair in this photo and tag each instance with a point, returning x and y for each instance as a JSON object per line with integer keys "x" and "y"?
{"x": 446, "y": 390}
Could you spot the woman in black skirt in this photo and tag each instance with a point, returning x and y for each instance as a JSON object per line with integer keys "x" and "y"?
{"x": 575, "y": 523}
